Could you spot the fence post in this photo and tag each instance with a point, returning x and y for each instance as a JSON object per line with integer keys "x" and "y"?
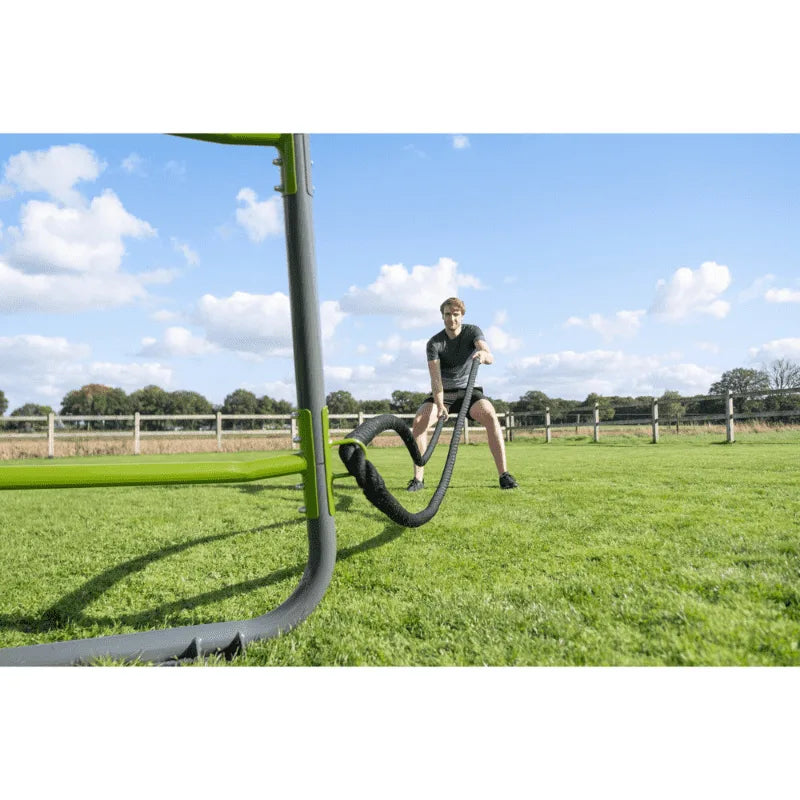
{"x": 219, "y": 431}
{"x": 655, "y": 420}
{"x": 731, "y": 436}
{"x": 597, "y": 422}
{"x": 360, "y": 417}
{"x": 136, "y": 434}
{"x": 295, "y": 444}
{"x": 547, "y": 425}
{"x": 51, "y": 435}
{"x": 466, "y": 429}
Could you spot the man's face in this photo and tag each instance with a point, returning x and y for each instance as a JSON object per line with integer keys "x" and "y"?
{"x": 452, "y": 319}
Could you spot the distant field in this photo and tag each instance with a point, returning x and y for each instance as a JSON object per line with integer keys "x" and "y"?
{"x": 617, "y": 553}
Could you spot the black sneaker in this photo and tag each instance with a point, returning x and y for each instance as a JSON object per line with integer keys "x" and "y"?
{"x": 507, "y": 481}
{"x": 414, "y": 485}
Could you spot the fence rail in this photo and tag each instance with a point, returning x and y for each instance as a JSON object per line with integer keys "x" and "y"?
{"x": 58, "y": 427}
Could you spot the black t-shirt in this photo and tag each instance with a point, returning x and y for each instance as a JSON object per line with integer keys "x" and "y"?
{"x": 454, "y": 355}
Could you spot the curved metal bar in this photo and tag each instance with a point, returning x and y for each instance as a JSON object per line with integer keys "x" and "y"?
{"x": 228, "y": 637}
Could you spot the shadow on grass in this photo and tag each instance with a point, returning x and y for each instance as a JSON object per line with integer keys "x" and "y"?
{"x": 69, "y": 609}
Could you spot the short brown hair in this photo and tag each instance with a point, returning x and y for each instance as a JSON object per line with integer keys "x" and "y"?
{"x": 455, "y": 302}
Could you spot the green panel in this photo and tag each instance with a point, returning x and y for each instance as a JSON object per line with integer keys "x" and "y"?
{"x": 328, "y": 470}
{"x": 283, "y": 141}
{"x": 306, "y": 431}
{"x": 64, "y": 476}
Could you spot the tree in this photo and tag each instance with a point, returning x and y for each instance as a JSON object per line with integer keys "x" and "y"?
{"x": 533, "y": 401}
{"x": 403, "y": 402}
{"x": 186, "y": 402}
{"x": 30, "y": 410}
{"x": 744, "y": 382}
{"x": 341, "y": 402}
{"x": 500, "y": 406}
{"x": 741, "y": 381}
{"x": 240, "y": 401}
{"x": 783, "y": 374}
{"x": 376, "y": 406}
{"x": 151, "y": 400}
{"x": 96, "y": 398}
{"x": 3, "y": 403}
{"x": 670, "y": 406}
{"x": 605, "y": 408}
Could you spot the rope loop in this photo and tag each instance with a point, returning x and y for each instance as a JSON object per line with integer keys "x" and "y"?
{"x": 370, "y": 480}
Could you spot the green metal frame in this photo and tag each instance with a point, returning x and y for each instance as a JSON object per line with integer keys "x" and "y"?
{"x": 313, "y": 463}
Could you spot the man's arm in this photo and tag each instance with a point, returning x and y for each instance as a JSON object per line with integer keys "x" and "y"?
{"x": 437, "y": 389}
{"x": 482, "y": 352}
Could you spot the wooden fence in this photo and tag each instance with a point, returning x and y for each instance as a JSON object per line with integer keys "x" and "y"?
{"x": 727, "y": 415}
{"x": 285, "y": 425}
{"x": 59, "y": 426}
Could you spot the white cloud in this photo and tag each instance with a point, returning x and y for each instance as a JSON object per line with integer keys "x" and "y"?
{"x": 624, "y": 324}
{"x": 331, "y": 315}
{"x": 709, "y": 347}
{"x": 413, "y": 296}
{"x": 573, "y": 375}
{"x": 257, "y": 324}
{"x": 259, "y": 219}
{"x": 693, "y": 292}
{"x": 460, "y": 142}
{"x": 66, "y": 293}
{"x": 128, "y": 376}
{"x": 777, "y": 348}
{"x": 181, "y": 247}
{"x": 358, "y": 373}
{"x": 86, "y": 240}
{"x": 43, "y": 369}
{"x": 177, "y": 342}
{"x": 501, "y": 342}
{"x": 782, "y": 296}
{"x": 163, "y": 315}
{"x": 500, "y": 318}
{"x": 54, "y": 171}
{"x": 133, "y": 164}
{"x": 66, "y": 255}
{"x": 244, "y": 322}
{"x": 175, "y": 168}
{"x": 757, "y": 288}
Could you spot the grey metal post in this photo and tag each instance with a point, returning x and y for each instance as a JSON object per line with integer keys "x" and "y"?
{"x": 547, "y": 424}
{"x": 308, "y": 367}
{"x": 655, "y": 420}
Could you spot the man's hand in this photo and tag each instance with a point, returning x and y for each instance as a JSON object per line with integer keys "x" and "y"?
{"x": 442, "y": 413}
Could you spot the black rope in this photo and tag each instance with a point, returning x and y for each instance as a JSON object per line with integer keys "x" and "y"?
{"x": 370, "y": 480}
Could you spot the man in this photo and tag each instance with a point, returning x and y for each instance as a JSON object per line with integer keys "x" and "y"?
{"x": 450, "y": 354}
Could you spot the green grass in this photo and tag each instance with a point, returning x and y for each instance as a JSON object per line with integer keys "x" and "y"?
{"x": 617, "y": 553}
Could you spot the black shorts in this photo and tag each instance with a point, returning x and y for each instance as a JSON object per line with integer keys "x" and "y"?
{"x": 454, "y": 398}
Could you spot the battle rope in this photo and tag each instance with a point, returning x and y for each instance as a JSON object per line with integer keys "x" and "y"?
{"x": 368, "y": 477}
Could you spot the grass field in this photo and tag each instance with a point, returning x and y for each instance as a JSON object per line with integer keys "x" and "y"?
{"x": 617, "y": 553}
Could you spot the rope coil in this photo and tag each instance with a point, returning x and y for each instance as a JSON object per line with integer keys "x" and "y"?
{"x": 370, "y": 480}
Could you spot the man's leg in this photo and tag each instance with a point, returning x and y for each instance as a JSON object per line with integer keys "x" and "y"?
{"x": 482, "y": 411}
{"x": 426, "y": 415}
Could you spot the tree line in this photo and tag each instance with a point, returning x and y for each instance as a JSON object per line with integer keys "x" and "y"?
{"x": 98, "y": 399}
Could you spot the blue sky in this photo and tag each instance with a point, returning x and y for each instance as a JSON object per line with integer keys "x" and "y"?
{"x": 619, "y": 264}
